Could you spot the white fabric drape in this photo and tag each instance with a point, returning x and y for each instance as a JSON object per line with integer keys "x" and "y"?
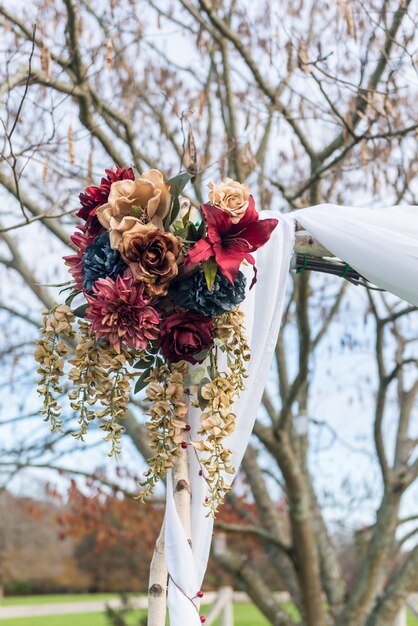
{"x": 382, "y": 245}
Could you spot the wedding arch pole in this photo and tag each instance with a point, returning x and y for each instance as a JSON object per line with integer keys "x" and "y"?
{"x": 159, "y": 576}
{"x": 305, "y": 245}
{"x": 157, "y": 587}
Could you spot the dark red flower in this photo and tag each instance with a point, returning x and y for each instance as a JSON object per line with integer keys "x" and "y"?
{"x": 183, "y": 335}
{"x": 93, "y": 197}
{"x": 230, "y": 243}
{"x": 121, "y": 312}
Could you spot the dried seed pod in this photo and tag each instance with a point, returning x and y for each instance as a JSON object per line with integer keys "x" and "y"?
{"x": 45, "y": 170}
{"x": 109, "y": 54}
{"x": 190, "y": 154}
{"x": 70, "y": 141}
{"x": 45, "y": 59}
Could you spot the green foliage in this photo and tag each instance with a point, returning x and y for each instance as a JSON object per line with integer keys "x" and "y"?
{"x": 80, "y": 311}
{"x": 210, "y": 268}
{"x": 177, "y": 184}
{"x": 149, "y": 361}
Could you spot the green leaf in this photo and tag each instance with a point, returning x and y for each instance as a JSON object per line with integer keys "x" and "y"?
{"x": 185, "y": 218}
{"x": 158, "y": 362}
{"x": 196, "y": 375}
{"x": 201, "y": 356}
{"x": 175, "y": 208}
{"x": 144, "y": 363}
{"x": 180, "y": 232}
{"x": 178, "y": 183}
{"x": 201, "y": 400}
{"x": 80, "y": 311}
{"x": 210, "y": 269}
{"x": 66, "y": 289}
{"x": 68, "y": 282}
{"x": 71, "y": 297}
{"x": 142, "y": 380}
{"x": 201, "y": 231}
{"x": 192, "y": 234}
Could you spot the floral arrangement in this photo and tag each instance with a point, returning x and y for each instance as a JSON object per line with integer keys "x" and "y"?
{"x": 159, "y": 286}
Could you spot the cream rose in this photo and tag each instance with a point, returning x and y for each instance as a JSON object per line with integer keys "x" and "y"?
{"x": 230, "y": 196}
{"x": 133, "y": 203}
{"x": 127, "y": 224}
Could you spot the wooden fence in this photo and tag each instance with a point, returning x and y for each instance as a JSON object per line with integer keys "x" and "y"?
{"x": 222, "y": 603}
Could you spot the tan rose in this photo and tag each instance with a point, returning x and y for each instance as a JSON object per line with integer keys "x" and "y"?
{"x": 230, "y": 196}
{"x": 153, "y": 257}
{"x": 126, "y": 224}
{"x": 145, "y": 199}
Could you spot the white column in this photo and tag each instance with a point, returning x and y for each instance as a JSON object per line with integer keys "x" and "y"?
{"x": 401, "y": 618}
{"x": 227, "y": 611}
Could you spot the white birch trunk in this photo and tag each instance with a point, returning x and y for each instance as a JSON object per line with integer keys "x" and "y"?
{"x": 157, "y": 588}
{"x": 182, "y": 492}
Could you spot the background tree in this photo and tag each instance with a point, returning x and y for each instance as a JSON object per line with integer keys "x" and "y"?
{"x": 308, "y": 102}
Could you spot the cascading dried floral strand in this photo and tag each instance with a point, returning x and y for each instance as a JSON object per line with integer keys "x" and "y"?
{"x": 167, "y": 423}
{"x": 100, "y": 376}
{"x": 50, "y": 352}
{"x": 218, "y": 419}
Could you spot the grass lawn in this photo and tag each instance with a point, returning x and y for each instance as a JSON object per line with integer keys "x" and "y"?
{"x": 55, "y": 598}
{"x": 412, "y": 620}
{"x": 244, "y": 614}
{"x": 84, "y": 619}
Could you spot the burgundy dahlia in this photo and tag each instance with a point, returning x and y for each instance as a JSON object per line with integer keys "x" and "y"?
{"x": 94, "y": 197}
{"x": 120, "y": 311}
{"x": 82, "y": 239}
{"x": 184, "y": 335}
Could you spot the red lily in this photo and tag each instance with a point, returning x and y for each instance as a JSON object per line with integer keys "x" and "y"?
{"x": 230, "y": 243}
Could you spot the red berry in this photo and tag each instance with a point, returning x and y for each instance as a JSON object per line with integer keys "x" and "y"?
{"x": 184, "y": 444}
{"x": 200, "y": 594}
{"x": 202, "y": 619}
{"x": 200, "y": 473}
{"x": 188, "y": 427}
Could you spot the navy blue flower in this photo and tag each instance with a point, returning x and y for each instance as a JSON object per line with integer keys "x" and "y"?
{"x": 99, "y": 261}
{"x": 194, "y": 295}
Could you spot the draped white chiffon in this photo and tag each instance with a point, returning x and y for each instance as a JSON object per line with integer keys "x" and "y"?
{"x": 382, "y": 245}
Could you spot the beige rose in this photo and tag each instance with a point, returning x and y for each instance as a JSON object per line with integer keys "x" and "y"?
{"x": 127, "y": 224}
{"x": 140, "y": 201}
{"x": 230, "y": 196}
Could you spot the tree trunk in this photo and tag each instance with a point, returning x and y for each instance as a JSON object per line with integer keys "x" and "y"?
{"x": 157, "y": 588}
